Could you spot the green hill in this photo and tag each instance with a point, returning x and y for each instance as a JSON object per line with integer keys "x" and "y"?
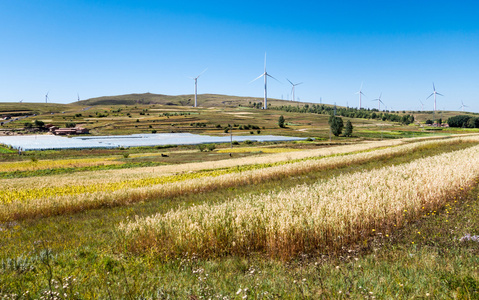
{"x": 204, "y": 100}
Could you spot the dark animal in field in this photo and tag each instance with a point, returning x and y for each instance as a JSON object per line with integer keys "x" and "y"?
{"x": 164, "y": 155}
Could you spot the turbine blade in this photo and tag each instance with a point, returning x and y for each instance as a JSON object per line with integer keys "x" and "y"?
{"x": 272, "y": 77}
{"x": 265, "y": 62}
{"x": 361, "y": 86}
{"x": 439, "y": 94}
{"x": 430, "y": 96}
{"x": 433, "y": 87}
{"x": 202, "y": 72}
{"x": 290, "y": 81}
{"x": 299, "y": 83}
{"x": 257, "y": 77}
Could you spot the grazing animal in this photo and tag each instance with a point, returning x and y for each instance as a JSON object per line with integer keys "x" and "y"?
{"x": 164, "y": 155}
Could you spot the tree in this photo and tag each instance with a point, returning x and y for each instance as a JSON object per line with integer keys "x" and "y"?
{"x": 28, "y": 125}
{"x": 348, "y": 129}
{"x": 281, "y": 121}
{"x": 336, "y": 125}
{"x": 39, "y": 123}
{"x": 70, "y": 125}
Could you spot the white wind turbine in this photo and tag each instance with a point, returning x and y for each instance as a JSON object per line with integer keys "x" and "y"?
{"x": 46, "y": 97}
{"x": 196, "y": 84}
{"x": 360, "y": 93}
{"x": 379, "y": 101}
{"x": 462, "y": 106}
{"x": 293, "y": 86}
{"x": 434, "y": 93}
{"x": 265, "y": 75}
{"x": 422, "y": 105}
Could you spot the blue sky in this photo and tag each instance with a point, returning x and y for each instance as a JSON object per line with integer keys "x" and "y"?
{"x": 102, "y": 48}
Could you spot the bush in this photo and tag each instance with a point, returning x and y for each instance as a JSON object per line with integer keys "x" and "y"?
{"x": 281, "y": 121}
{"x": 235, "y": 143}
{"x": 211, "y": 147}
{"x": 39, "y": 123}
{"x": 70, "y": 125}
{"x": 201, "y": 147}
{"x": 248, "y": 142}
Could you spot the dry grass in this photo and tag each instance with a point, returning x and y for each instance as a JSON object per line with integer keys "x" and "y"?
{"x": 321, "y": 217}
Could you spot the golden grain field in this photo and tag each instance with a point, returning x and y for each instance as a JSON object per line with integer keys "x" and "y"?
{"x": 319, "y": 217}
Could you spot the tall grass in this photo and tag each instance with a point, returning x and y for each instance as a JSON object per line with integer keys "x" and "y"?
{"x": 321, "y": 217}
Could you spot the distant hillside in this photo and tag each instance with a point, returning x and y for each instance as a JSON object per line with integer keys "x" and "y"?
{"x": 204, "y": 100}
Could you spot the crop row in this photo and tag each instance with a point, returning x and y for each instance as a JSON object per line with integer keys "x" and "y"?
{"x": 48, "y": 200}
{"x": 108, "y": 176}
{"x": 321, "y": 217}
{"x": 50, "y": 164}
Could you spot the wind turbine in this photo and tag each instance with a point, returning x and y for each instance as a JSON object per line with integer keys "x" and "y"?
{"x": 462, "y": 106}
{"x": 379, "y": 101}
{"x": 293, "y": 86}
{"x": 78, "y": 95}
{"x": 196, "y": 84}
{"x": 265, "y": 75}
{"x": 46, "y": 97}
{"x": 434, "y": 93}
{"x": 422, "y": 105}
{"x": 360, "y": 93}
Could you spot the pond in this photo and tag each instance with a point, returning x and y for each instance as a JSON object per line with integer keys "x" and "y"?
{"x": 52, "y": 142}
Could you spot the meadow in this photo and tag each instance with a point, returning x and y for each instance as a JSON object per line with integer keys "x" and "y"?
{"x": 384, "y": 219}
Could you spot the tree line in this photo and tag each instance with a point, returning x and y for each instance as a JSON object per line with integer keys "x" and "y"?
{"x": 348, "y": 112}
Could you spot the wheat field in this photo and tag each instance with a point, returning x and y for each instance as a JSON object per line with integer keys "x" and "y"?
{"x": 320, "y": 217}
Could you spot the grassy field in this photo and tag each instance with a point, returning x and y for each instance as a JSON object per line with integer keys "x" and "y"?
{"x": 86, "y": 253}
{"x": 390, "y": 213}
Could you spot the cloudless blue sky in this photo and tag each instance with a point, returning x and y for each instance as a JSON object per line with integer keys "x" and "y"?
{"x": 102, "y": 48}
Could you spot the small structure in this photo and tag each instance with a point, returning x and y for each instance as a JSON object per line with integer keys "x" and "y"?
{"x": 68, "y": 131}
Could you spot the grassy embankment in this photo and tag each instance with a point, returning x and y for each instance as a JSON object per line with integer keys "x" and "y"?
{"x": 82, "y": 253}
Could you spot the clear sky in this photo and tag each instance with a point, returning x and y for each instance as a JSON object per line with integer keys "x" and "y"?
{"x": 110, "y": 47}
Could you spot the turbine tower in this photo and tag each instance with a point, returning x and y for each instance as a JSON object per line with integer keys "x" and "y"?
{"x": 293, "y": 86}
{"x": 46, "y": 97}
{"x": 434, "y": 93}
{"x": 360, "y": 93}
{"x": 265, "y": 75}
{"x": 196, "y": 84}
{"x": 379, "y": 101}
